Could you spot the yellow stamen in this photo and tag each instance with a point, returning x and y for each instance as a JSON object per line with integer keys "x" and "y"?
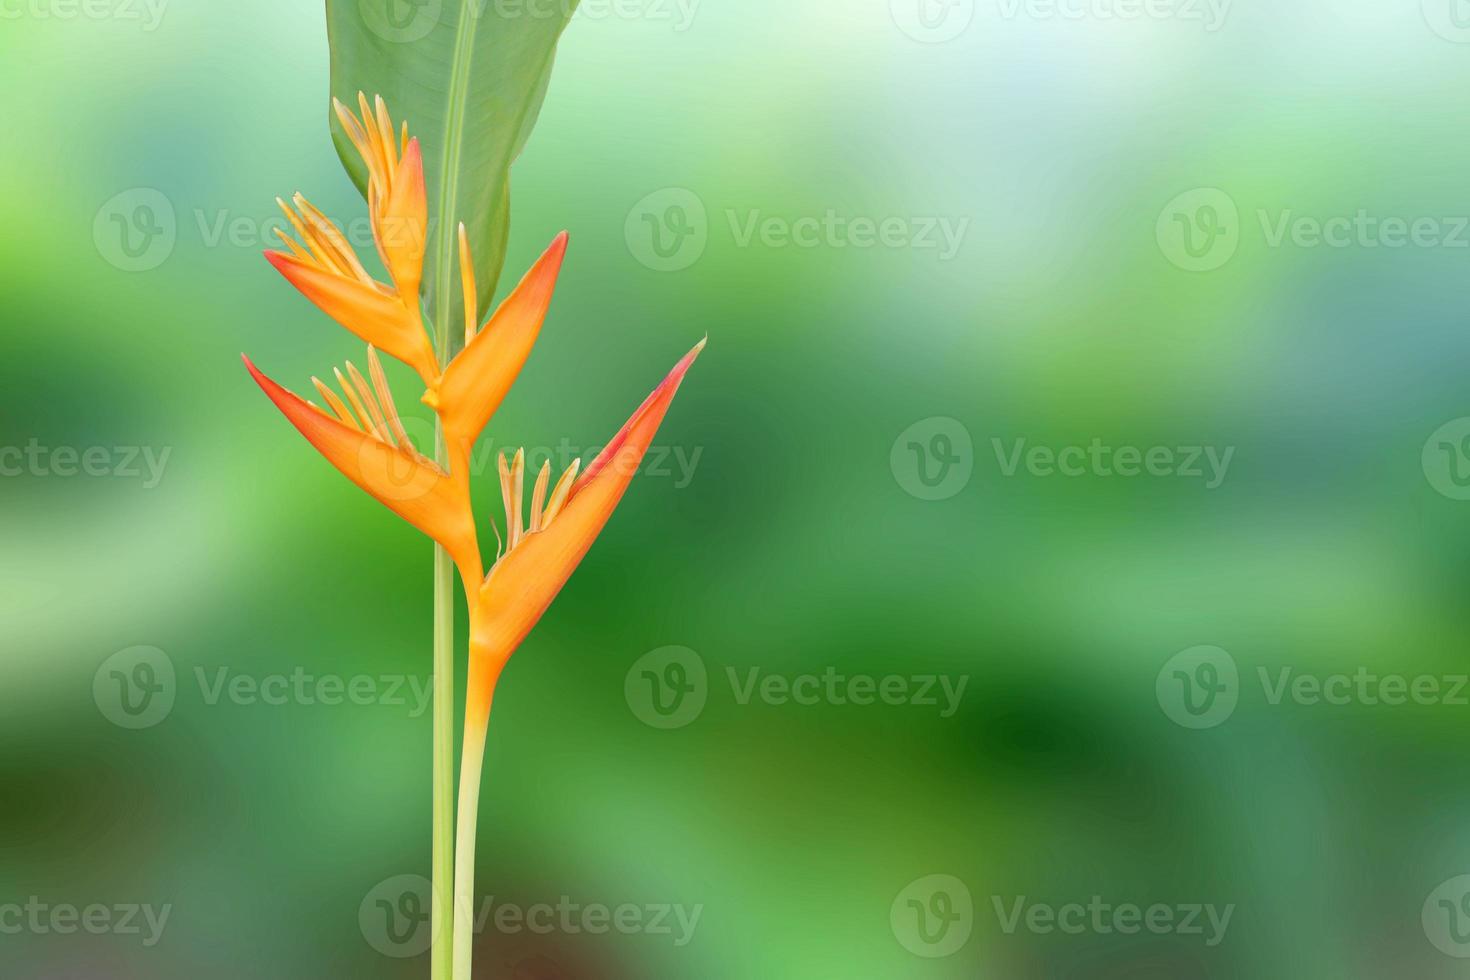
{"x": 333, "y": 240}
{"x": 505, "y": 493}
{"x": 471, "y": 289}
{"x": 538, "y": 496}
{"x": 561, "y": 493}
{"x": 518, "y": 491}
{"x": 499, "y": 541}
{"x": 304, "y": 235}
{"x": 296, "y": 249}
{"x": 351, "y": 126}
{"x": 385, "y": 397}
{"x": 362, "y": 413}
{"x": 343, "y": 415}
{"x": 377, "y": 161}
{"x": 360, "y": 383}
{"x": 385, "y": 125}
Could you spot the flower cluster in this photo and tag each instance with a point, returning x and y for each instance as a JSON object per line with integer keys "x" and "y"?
{"x": 361, "y": 433}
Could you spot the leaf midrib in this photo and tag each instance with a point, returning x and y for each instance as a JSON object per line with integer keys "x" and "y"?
{"x": 454, "y": 118}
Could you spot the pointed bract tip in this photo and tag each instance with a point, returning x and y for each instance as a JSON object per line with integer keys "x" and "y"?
{"x": 280, "y": 260}
{"x": 684, "y": 362}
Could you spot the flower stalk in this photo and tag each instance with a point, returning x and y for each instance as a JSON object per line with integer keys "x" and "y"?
{"x": 360, "y": 432}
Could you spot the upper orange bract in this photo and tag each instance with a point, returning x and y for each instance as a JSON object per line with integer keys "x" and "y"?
{"x": 324, "y": 266}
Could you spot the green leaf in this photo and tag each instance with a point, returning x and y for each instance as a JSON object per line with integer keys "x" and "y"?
{"x": 469, "y": 76}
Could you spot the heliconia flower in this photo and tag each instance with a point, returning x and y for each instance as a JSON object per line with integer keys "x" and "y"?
{"x": 360, "y": 432}
{"x": 397, "y": 203}
{"x": 477, "y": 380}
{"x": 564, "y": 521}
{"x": 328, "y": 273}
{"x": 362, "y": 435}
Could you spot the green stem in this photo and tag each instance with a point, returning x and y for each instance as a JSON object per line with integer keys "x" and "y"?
{"x": 479, "y": 693}
{"x": 443, "y": 837}
{"x": 464, "y": 857}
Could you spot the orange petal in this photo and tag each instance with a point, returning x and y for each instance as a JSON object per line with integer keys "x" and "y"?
{"x": 477, "y": 380}
{"x": 376, "y": 316}
{"x": 401, "y": 227}
{"x": 524, "y": 583}
{"x": 427, "y": 499}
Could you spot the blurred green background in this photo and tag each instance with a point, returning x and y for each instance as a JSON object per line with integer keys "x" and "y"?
{"x": 1131, "y": 264}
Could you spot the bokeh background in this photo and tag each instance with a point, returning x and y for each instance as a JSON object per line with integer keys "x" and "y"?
{"x": 1131, "y": 201}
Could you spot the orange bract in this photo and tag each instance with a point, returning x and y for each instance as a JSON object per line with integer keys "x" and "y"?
{"x": 539, "y": 559}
